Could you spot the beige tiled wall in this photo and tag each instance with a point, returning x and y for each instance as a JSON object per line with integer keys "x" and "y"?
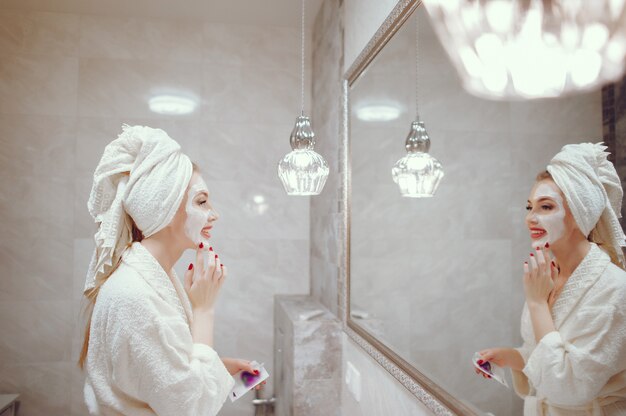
{"x": 67, "y": 83}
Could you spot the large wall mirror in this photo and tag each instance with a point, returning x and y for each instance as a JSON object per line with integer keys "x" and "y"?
{"x": 430, "y": 281}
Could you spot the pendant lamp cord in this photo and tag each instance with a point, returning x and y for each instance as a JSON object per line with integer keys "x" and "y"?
{"x": 417, "y": 37}
{"x": 302, "y": 60}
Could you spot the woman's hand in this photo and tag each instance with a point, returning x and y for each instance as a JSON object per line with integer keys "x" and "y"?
{"x": 503, "y": 357}
{"x": 203, "y": 282}
{"x": 539, "y": 272}
{"x": 234, "y": 365}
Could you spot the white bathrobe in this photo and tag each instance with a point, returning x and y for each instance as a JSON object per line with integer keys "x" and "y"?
{"x": 142, "y": 359}
{"x": 579, "y": 369}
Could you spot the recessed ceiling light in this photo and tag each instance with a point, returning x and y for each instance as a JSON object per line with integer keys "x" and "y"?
{"x": 172, "y": 104}
{"x": 379, "y": 112}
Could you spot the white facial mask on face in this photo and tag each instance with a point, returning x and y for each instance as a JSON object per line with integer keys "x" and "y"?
{"x": 554, "y": 222}
{"x": 197, "y": 218}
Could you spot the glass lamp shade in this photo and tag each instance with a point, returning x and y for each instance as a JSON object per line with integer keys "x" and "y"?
{"x": 303, "y": 171}
{"x": 513, "y": 49}
{"x": 417, "y": 174}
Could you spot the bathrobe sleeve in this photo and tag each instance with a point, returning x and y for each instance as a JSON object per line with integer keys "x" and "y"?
{"x": 520, "y": 381}
{"x": 572, "y": 372}
{"x": 154, "y": 360}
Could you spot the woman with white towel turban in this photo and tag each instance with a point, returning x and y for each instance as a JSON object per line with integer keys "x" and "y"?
{"x": 148, "y": 343}
{"x": 573, "y": 359}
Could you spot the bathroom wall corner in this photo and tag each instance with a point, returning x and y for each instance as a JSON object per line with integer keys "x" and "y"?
{"x": 327, "y": 64}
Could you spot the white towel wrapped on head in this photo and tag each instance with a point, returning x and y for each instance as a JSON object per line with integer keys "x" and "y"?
{"x": 144, "y": 174}
{"x": 593, "y": 191}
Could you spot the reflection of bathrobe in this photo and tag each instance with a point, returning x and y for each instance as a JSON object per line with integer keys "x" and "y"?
{"x": 142, "y": 359}
{"x": 579, "y": 369}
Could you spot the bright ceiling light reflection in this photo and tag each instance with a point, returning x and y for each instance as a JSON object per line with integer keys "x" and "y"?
{"x": 172, "y": 104}
{"x": 257, "y": 204}
{"x": 378, "y": 112}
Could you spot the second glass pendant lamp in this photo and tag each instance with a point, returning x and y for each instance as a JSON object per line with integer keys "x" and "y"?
{"x": 417, "y": 174}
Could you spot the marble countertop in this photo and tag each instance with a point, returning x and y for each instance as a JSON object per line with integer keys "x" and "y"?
{"x": 299, "y": 307}
{"x": 6, "y": 400}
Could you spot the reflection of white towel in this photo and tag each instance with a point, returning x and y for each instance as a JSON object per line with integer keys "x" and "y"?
{"x": 144, "y": 174}
{"x": 593, "y": 192}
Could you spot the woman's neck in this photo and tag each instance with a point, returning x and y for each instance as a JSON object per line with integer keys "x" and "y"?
{"x": 570, "y": 255}
{"x": 162, "y": 249}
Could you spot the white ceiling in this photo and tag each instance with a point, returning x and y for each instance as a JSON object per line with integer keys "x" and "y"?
{"x": 257, "y": 12}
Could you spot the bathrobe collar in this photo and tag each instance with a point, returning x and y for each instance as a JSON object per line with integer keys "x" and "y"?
{"x": 170, "y": 290}
{"x": 585, "y": 275}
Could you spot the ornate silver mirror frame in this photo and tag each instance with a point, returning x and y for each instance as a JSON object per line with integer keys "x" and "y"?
{"x": 434, "y": 397}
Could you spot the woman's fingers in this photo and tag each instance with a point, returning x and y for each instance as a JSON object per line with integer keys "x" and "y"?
{"x": 532, "y": 263}
{"x": 211, "y": 266}
{"x": 551, "y": 266}
{"x": 486, "y": 355}
{"x": 246, "y": 366}
{"x": 480, "y": 373}
{"x": 217, "y": 274}
{"x": 526, "y": 271}
{"x": 554, "y": 270}
{"x": 188, "y": 277}
{"x": 541, "y": 260}
{"x": 548, "y": 254}
{"x": 199, "y": 266}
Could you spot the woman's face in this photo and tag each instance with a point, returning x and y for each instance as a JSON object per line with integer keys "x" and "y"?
{"x": 549, "y": 219}
{"x": 197, "y": 214}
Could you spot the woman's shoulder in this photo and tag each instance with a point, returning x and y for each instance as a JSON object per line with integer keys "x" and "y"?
{"x": 125, "y": 288}
{"x": 614, "y": 277}
{"x": 611, "y": 286}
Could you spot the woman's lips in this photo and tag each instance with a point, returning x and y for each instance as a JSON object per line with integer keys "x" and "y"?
{"x": 536, "y": 233}
{"x": 205, "y": 232}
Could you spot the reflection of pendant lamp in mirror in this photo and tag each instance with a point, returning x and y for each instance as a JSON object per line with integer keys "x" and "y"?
{"x": 417, "y": 174}
{"x": 532, "y": 48}
{"x": 303, "y": 171}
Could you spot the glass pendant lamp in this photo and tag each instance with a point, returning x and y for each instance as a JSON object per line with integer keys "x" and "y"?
{"x": 525, "y": 49}
{"x": 303, "y": 171}
{"x": 417, "y": 174}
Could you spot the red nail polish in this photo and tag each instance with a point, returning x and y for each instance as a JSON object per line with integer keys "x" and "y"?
{"x": 526, "y": 262}
{"x": 201, "y": 245}
{"x": 221, "y": 265}
{"x": 256, "y": 372}
{"x": 480, "y": 362}
{"x": 531, "y": 254}
{"x": 210, "y": 248}
{"x": 216, "y": 256}
{"x": 547, "y": 245}
{"x": 190, "y": 266}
